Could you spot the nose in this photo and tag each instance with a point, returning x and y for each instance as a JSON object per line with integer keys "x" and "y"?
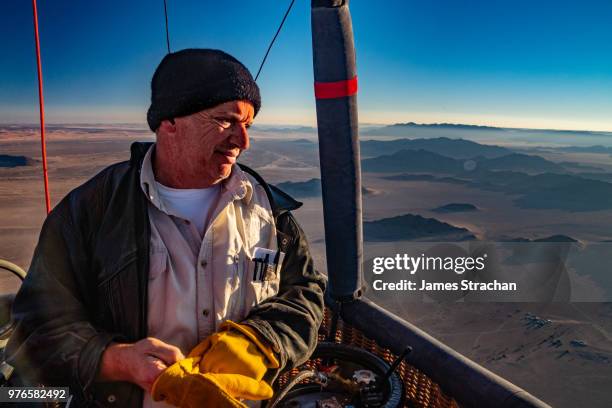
{"x": 240, "y": 136}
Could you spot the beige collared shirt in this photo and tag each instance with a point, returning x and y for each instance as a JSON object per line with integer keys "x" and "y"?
{"x": 196, "y": 282}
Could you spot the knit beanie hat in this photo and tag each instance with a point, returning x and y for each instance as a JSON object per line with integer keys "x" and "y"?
{"x": 195, "y": 79}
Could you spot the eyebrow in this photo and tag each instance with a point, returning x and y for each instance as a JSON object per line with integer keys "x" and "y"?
{"x": 236, "y": 116}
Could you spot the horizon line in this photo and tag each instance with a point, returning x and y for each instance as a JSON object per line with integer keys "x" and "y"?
{"x": 293, "y": 125}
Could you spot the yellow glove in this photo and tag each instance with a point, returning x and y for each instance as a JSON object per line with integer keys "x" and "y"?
{"x": 236, "y": 349}
{"x": 182, "y": 385}
{"x": 225, "y": 366}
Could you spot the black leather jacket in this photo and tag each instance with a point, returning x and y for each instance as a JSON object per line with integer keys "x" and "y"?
{"x": 87, "y": 286}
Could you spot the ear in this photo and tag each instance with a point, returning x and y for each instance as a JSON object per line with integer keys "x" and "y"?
{"x": 168, "y": 126}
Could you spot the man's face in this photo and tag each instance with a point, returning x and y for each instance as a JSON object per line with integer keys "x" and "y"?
{"x": 207, "y": 143}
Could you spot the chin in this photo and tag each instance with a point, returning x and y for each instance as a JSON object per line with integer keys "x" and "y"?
{"x": 225, "y": 170}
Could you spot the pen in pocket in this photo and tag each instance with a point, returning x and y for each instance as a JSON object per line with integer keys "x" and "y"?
{"x": 255, "y": 270}
{"x": 264, "y": 267}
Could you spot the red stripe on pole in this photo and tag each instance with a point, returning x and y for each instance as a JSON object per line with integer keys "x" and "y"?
{"x": 337, "y": 89}
{"x": 41, "y": 108}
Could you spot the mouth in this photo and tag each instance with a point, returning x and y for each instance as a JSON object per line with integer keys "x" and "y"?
{"x": 227, "y": 156}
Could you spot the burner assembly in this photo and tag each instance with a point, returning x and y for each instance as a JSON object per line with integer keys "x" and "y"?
{"x": 342, "y": 376}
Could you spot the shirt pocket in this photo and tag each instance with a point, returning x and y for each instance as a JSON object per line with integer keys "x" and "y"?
{"x": 256, "y": 290}
{"x": 158, "y": 263}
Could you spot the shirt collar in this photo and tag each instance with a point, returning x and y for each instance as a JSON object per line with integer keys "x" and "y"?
{"x": 147, "y": 180}
{"x": 236, "y": 187}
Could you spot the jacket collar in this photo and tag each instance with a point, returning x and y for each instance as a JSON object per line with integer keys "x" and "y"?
{"x": 280, "y": 201}
{"x": 138, "y": 150}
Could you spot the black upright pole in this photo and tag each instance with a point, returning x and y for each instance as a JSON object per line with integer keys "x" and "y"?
{"x": 335, "y": 78}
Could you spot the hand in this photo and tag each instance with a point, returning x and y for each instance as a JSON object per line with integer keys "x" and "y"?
{"x": 139, "y": 363}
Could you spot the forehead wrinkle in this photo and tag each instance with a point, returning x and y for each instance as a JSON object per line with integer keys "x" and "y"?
{"x": 235, "y": 112}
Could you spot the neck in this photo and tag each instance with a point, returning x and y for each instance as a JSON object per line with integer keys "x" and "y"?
{"x": 173, "y": 172}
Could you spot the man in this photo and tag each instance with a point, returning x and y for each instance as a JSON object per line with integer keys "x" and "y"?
{"x": 168, "y": 251}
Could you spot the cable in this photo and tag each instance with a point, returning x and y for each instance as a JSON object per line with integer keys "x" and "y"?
{"x": 301, "y": 376}
{"x": 41, "y": 108}
{"x": 167, "y": 31}
{"x": 273, "y": 39}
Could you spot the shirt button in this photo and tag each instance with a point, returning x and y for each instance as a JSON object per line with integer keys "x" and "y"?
{"x": 205, "y": 312}
{"x": 111, "y": 398}
{"x": 203, "y": 263}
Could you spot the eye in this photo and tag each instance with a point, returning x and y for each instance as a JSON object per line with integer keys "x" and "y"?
{"x": 225, "y": 123}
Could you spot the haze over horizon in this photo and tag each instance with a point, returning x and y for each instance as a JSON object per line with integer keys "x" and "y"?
{"x": 302, "y": 126}
{"x": 539, "y": 65}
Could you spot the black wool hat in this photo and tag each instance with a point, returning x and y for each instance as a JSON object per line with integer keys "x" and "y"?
{"x": 195, "y": 79}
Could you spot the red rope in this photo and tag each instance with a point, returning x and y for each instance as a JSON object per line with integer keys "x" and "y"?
{"x": 41, "y": 104}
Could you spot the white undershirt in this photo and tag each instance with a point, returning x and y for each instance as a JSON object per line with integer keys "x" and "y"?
{"x": 192, "y": 204}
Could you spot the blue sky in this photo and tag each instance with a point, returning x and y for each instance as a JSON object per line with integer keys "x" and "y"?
{"x": 541, "y": 64}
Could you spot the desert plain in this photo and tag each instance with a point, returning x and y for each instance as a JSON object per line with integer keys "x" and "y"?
{"x": 560, "y": 349}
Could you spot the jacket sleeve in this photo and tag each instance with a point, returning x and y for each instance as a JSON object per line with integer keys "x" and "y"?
{"x": 54, "y": 342}
{"x": 290, "y": 320}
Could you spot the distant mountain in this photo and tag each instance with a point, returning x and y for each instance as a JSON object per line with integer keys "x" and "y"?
{"x": 552, "y": 238}
{"x": 518, "y": 239}
{"x": 385, "y": 130}
{"x": 302, "y": 151}
{"x": 412, "y": 161}
{"x": 520, "y": 162}
{"x": 310, "y": 188}
{"x": 410, "y": 227}
{"x": 454, "y": 148}
{"x": 545, "y": 190}
{"x": 296, "y": 129}
{"x": 302, "y": 189}
{"x": 426, "y": 177}
{"x": 598, "y": 176}
{"x": 426, "y": 161}
{"x": 455, "y": 207}
{"x": 302, "y": 142}
{"x": 586, "y": 149}
{"x": 579, "y": 167}
{"x": 556, "y": 238}
{"x": 406, "y": 129}
{"x": 14, "y": 161}
{"x": 89, "y": 128}
{"x": 549, "y": 191}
